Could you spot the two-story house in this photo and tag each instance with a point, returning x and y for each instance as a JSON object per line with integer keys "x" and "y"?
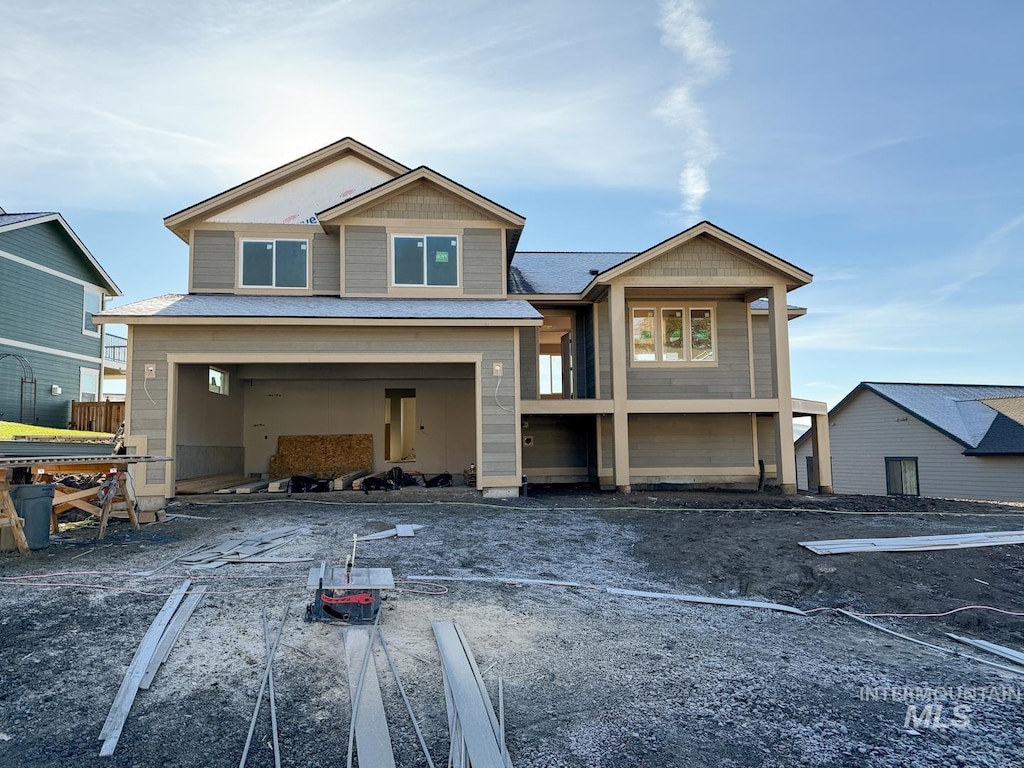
{"x": 344, "y": 293}
{"x": 51, "y": 348}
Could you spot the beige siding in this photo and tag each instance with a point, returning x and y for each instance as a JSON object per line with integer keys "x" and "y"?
{"x": 667, "y": 441}
{"x": 729, "y": 379}
{"x": 604, "y": 348}
{"x": 366, "y": 260}
{"x": 483, "y": 267}
{"x": 766, "y": 443}
{"x": 326, "y": 263}
{"x": 868, "y": 429}
{"x": 701, "y": 256}
{"x": 528, "y": 363}
{"x": 424, "y": 201}
{"x": 213, "y": 260}
{"x": 764, "y": 378}
{"x": 152, "y": 344}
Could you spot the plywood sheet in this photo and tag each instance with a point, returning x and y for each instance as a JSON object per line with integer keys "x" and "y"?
{"x": 322, "y": 455}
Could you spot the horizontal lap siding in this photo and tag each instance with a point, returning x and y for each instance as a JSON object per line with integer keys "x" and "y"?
{"x": 366, "y": 260}
{"x": 584, "y": 353}
{"x": 213, "y": 260}
{"x": 152, "y": 344}
{"x": 483, "y": 267}
{"x": 528, "y": 363}
{"x": 49, "y": 246}
{"x": 326, "y": 263}
{"x": 869, "y": 428}
{"x": 51, "y": 410}
{"x": 604, "y": 349}
{"x": 42, "y": 309}
{"x": 764, "y": 379}
{"x": 667, "y": 441}
{"x": 730, "y": 379}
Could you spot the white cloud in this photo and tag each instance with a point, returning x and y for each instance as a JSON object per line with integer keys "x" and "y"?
{"x": 686, "y": 31}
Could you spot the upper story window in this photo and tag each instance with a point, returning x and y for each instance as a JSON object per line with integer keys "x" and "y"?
{"x": 431, "y": 260}
{"x": 92, "y": 303}
{"x": 275, "y": 263}
{"x": 674, "y": 334}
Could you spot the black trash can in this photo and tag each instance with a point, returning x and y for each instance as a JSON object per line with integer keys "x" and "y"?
{"x": 34, "y": 504}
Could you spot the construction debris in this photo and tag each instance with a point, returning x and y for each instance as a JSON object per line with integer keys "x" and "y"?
{"x": 146, "y": 654}
{"x": 369, "y": 721}
{"x": 915, "y": 543}
{"x": 268, "y": 677}
{"x": 401, "y": 531}
{"x": 248, "y": 550}
{"x": 477, "y": 738}
{"x": 170, "y": 635}
{"x": 999, "y": 650}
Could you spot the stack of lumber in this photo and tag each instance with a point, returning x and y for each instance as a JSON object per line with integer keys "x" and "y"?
{"x": 209, "y": 483}
{"x": 252, "y": 549}
{"x": 369, "y": 721}
{"x": 469, "y": 475}
{"x": 915, "y": 543}
{"x": 322, "y": 456}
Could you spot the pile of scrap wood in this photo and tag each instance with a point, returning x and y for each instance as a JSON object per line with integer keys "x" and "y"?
{"x": 252, "y": 549}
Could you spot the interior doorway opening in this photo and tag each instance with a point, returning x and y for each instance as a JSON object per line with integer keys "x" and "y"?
{"x": 556, "y": 361}
{"x": 400, "y": 425}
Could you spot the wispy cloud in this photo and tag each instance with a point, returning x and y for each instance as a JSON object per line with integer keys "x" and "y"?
{"x": 686, "y": 31}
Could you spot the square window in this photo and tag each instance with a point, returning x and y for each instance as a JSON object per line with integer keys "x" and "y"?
{"x": 274, "y": 263}
{"x": 427, "y": 260}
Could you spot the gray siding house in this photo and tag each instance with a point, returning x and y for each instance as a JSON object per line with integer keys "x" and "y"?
{"x": 938, "y": 440}
{"x": 346, "y": 293}
{"x": 51, "y": 348}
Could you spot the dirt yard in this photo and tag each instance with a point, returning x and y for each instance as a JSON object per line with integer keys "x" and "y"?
{"x": 591, "y": 679}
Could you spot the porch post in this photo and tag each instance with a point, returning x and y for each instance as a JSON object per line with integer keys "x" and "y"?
{"x": 785, "y": 455}
{"x": 618, "y": 347}
{"x": 822, "y": 452}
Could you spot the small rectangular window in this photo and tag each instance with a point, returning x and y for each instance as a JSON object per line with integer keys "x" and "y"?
{"x": 901, "y": 476}
{"x": 427, "y": 260}
{"x": 702, "y": 346}
{"x": 88, "y": 385}
{"x": 275, "y": 263}
{"x": 673, "y": 343}
{"x": 643, "y": 335}
{"x": 218, "y": 381}
{"x": 92, "y": 303}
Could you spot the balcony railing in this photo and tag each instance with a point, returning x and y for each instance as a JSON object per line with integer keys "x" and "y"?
{"x": 115, "y": 349}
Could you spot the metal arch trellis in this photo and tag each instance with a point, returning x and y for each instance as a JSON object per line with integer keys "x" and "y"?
{"x": 28, "y": 389}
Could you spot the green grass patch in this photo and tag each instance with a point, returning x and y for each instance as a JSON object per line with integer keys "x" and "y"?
{"x": 10, "y": 429}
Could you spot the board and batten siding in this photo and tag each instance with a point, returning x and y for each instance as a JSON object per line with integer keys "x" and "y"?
{"x": 667, "y": 441}
{"x": 729, "y": 379}
{"x": 366, "y": 259}
{"x": 326, "y": 264}
{"x": 869, "y": 428}
{"x": 483, "y": 262}
{"x": 153, "y": 343}
{"x": 213, "y": 260}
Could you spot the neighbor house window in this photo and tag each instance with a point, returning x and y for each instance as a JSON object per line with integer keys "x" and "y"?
{"x": 275, "y": 263}
{"x": 92, "y": 303}
{"x": 218, "y": 381}
{"x": 673, "y": 334}
{"x": 901, "y": 476}
{"x": 88, "y": 385}
{"x": 431, "y": 260}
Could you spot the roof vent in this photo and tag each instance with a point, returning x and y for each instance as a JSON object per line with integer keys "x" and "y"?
{"x": 595, "y": 271}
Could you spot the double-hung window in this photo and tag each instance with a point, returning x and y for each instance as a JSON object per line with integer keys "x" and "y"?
{"x": 88, "y": 385}
{"x": 275, "y": 263}
{"x": 425, "y": 260}
{"x": 673, "y": 333}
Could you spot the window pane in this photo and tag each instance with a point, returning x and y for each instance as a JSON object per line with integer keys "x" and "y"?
{"x": 442, "y": 261}
{"x": 257, "y": 263}
{"x": 701, "y": 343}
{"x": 93, "y": 304}
{"x": 545, "y": 374}
{"x": 409, "y": 260}
{"x": 556, "y": 374}
{"x": 672, "y": 334}
{"x": 216, "y": 381}
{"x": 643, "y": 335}
{"x": 909, "y": 469}
{"x": 291, "y": 264}
{"x": 89, "y": 386}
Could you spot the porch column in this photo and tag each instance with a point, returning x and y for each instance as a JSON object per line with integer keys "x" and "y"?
{"x": 822, "y": 452}
{"x": 785, "y": 455}
{"x": 619, "y": 354}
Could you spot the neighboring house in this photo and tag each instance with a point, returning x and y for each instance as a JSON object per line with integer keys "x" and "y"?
{"x": 346, "y": 293}
{"x": 51, "y": 350}
{"x": 941, "y": 440}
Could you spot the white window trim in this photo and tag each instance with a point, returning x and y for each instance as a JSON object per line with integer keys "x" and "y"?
{"x": 86, "y": 291}
{"x": 224, "y": 379}
{"x": 275, "y": 239}
{"x": 659, "y": 307}
{"x": 458, "y": 267}
{"x": 81, "y": 381}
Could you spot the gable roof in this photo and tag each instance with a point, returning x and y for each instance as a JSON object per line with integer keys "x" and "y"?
{"x": 422, "y": 173}
{"x": 796, "y": 276}
{"x": 255, "y": 186}
{"x": 959, "y": 411}
{"x": 559, "y": 272}
{"x": 12, "y": 221}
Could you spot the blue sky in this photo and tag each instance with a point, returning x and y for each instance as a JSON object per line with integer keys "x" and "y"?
{"x": 876, "y": 144}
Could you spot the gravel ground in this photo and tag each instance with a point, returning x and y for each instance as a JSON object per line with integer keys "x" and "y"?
{"x": 591, "y": 679}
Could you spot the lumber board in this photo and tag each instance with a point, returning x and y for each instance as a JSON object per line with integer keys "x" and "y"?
{"x": 705, "y": 600}
{"x": 405, "y": 531}
{"x": 278, "y": 485}
{"x": 114, "y": 724}
{"x": 207, "y": 484}
{"x": 170, "y": 635}
{"x": 391, "y": 533}
{"x": 373, "y": 738}
{"x": 914, "y": 543}
{"x": 999, "y": 650}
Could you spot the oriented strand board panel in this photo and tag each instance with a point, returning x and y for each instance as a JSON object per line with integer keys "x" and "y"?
{"x": 322, "y": 455}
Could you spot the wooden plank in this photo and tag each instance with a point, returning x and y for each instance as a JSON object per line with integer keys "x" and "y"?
{"x": 914, "y": 543}
{"x": 114, "y": 724}
{"x": 999, "y": 650}
{"x": 405, "y": 531}
{"x": 207, "y": 484}
{"x": 373, "y": 738}
{"x": 9, "y": 515}
{"x": 170, "y": 635}
{"x": 705, "y": 600}
{"x": 496, "y": 727}
{"x": 391, "y": 532}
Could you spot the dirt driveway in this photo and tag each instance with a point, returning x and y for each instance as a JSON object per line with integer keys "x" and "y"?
{"x": 591, "y": 679}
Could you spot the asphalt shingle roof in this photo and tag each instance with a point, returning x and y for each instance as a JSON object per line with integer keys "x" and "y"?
{"x": 959, "y": 411}
{"x": 17, "y": 218}
{"x": 559, "y": 272}
{"x": 230, "y": 305}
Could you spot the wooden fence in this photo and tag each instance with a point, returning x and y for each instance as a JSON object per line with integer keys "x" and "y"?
{"x": 97, "y": 417}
